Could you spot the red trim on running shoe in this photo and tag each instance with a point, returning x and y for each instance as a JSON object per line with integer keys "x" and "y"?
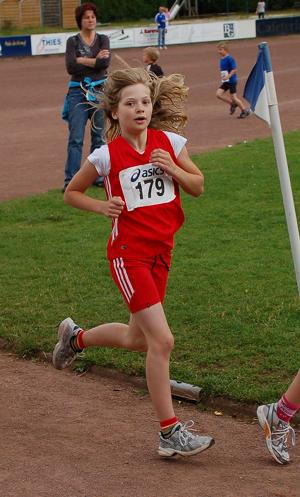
{"x": 79, "y": 339}
{"x": 168, "y": 422}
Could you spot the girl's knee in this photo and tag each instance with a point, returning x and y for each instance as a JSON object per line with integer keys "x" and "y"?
{"x": 163, "y": 346}
{"x": 170, "y": 343}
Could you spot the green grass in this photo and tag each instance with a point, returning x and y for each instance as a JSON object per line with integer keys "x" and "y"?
{"x": 232, "y": 299}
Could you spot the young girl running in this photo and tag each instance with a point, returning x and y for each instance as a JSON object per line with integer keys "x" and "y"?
{"x": 143, "y": 168}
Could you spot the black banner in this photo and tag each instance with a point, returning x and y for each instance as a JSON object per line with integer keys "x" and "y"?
{"x": 15, "y": 46}
{"x": 278, "y": 26}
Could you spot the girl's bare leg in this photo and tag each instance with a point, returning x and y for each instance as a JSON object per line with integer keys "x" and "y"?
{"x": 223, "y": 96}
{"x": 152, "y": 321}
{"x": 238, "y": 102}
{"x": 147, "y": 331}
{"x": 116, "y": 335}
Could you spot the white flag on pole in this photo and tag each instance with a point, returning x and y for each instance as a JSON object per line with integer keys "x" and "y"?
{"x": 261, "y": 94}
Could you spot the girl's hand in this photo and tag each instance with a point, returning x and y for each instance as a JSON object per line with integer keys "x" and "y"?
{"x": 103, "y": 54}
{"x": 113, "y": 207}
{"x": 163, "y": 159}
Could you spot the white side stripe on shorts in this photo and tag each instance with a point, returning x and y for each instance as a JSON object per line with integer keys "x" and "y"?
{"x": 123, "y": 278}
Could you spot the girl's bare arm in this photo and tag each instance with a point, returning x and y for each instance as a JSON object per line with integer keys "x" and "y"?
{"x": 75, "y": 194}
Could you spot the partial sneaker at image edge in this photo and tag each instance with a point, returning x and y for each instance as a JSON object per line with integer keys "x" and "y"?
{"x": 276, "y": 432}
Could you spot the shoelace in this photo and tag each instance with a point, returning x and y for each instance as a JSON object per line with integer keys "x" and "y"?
{"x": 280, "y": 435}
{"x": 184, "y": 433}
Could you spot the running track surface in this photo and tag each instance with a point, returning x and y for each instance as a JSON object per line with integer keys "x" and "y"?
{"x": 33, "y": 135}
{"x": 80, "y": 436}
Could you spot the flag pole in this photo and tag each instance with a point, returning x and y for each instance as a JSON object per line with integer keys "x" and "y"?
{"x": 282, "y": 164}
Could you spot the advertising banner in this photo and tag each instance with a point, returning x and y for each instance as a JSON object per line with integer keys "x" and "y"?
{"x": 243, "y": 29}
{"x": 120, "y": 38}
{"x": 55, "y": 43}
{"x": 15, "y": 46}
{"x": 196, "y": 33}
{"x": 48, "y": 44}
{"x": 278, "y": 26}
{"x": 144, "y": 37}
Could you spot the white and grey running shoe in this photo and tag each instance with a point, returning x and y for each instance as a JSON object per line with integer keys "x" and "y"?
{"x": 183, "y": 442}
{"x": 276, "y": 432}
{"x": 63, "y": 354}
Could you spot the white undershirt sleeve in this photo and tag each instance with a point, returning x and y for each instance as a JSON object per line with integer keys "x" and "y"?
{"x": 177, "y": 142}
{"x": 100, "y": 158}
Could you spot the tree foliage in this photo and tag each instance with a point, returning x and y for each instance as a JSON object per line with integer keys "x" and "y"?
{"x": 115, "y": 10}
{"x": 118, "y": 10}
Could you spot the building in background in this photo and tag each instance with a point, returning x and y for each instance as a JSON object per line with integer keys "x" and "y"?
{"x": 33, "y": 13}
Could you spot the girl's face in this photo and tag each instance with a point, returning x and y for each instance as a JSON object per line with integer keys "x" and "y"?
{"x": 88, "y": 20}
{"x": 134, "y": 110}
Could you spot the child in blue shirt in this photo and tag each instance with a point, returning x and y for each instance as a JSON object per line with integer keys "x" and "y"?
{"x": 228, "y": 70}
{"x": 161, "y": 21}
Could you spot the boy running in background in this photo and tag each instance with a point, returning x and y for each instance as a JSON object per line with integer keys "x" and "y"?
{"x": 229, "y": 80}
{"x": 150, "y": 57}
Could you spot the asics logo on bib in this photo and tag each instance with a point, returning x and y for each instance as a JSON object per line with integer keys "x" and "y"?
{"x": 146, "y": 173}
{"x": 144, "y": 185}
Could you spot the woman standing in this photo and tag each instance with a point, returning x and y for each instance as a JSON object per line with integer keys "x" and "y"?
{"x": 87, "y": 60}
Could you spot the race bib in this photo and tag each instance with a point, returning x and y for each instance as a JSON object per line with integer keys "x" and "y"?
{"x": 146, "y": 185}
{"x": 224, "y": 76}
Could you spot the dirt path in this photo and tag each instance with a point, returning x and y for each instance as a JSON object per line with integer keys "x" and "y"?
{"x": 68, "y": 436}
{"x": 83, "y": 436}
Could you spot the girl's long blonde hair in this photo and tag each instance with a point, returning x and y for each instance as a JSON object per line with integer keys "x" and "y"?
{"x": 168, "y": 95}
